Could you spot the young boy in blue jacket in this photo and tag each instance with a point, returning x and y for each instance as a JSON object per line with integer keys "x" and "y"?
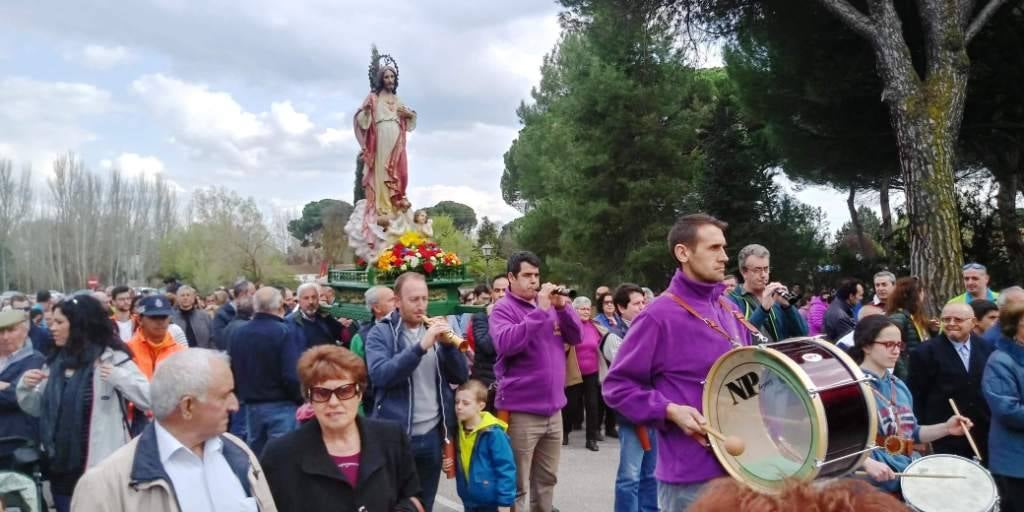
{"x": 486, "y": 477}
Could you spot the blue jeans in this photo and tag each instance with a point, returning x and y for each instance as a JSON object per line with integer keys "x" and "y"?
{"x": 62, "y": 503}
{"x": 268, "y": 420}
{"x": 426, "y": 450}
{"x": 678, "y": 497}
{"x": 237, "y": 423}
{"x": 636, "y": 490}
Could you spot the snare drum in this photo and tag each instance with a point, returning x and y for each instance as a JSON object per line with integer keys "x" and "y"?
{"x": 803, "y": 408}
{"x": 976, "y": 492}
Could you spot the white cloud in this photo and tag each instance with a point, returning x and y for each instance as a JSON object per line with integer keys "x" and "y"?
{"x": 40, "y": 120}
{"x": 485, "y": 204}
{"x": 213, "y": 127}
{"x": 101, "y": 57}
{"x": 134, "y": 164}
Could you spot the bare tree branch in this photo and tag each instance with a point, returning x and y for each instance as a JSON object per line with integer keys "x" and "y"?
{"x": 853, "y": 18}
{"x": 981, "y": 19}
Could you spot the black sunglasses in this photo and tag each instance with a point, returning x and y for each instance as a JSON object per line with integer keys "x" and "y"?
{"x": 320, "y": 394}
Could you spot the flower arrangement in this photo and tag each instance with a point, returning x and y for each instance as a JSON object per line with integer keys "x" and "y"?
{"x": 413, "y": 252}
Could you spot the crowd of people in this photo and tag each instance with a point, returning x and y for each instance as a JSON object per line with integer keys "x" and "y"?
{"x": 252, "y": 398}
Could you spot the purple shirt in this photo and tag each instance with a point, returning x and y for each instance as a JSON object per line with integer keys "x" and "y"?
{"x": 349, "y": 466}
{"x": 664, "y": 358}
{"x": 586, "y": 351}
{"x": 531, "y": 355}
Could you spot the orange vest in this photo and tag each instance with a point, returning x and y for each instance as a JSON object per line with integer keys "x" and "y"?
{"x": 147, "y": 355}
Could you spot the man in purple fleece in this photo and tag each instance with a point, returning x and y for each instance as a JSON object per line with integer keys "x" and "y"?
{"x": 656, "y": 377}
{"x": 529, "y": 329}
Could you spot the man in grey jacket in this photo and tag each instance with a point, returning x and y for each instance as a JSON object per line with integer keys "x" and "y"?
{"x": 195, "y": 322}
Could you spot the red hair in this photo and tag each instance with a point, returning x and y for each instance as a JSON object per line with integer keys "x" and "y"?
{"x": 847, "y": 495}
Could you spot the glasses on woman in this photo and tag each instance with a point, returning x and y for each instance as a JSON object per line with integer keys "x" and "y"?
{"x": 321, "y": 394}
{"x": 891, "y": 344}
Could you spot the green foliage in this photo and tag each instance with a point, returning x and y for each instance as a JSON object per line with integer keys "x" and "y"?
{"x": 226, "y": 237}
{"x": 453, "y": 239}
{"x": 462, "y": 215}
{"x": 813, "y": 84}
{"x": 307, "y": 228}
{"x": 622, "y": 138}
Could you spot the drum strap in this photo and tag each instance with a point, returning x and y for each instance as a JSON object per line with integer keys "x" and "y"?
{"x": 718, "y": 328}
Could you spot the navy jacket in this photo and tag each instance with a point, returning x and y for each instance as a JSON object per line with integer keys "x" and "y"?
{"x": 42, "y": 340}
{"x": 485, "y": 355}
{"x": 321, "y": 330}
{"x": 392, "y": 359}
{"x": 937, "y": 374}
{"x": 221, "y": 319}
{"x": 838, "y": 320}
{"x": 13, "y": 421}
{"x": 264, "y": 353}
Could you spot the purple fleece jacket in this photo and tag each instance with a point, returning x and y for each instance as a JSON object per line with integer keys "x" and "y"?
{"x": 664, "y": 358}
{"x": 531, "y": 354}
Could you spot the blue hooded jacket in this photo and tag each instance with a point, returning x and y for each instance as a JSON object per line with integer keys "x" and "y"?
{"x": 491, "y": 481}
{"x": 391, "y": 361}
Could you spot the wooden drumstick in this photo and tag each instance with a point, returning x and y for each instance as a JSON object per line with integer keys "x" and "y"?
{"x": 641, "y": 435}
{"x": 733, "y": 445}
{"x": 914, "y": 475}
{"x": 970, "y": 439}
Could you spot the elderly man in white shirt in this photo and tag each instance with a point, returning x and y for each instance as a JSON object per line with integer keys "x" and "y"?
{"x": 184, "y": 461}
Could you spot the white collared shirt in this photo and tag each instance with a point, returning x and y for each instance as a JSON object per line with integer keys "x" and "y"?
{"x": 202, "y": 485}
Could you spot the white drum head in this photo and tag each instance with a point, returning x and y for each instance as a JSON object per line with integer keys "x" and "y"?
{"x": 976, "y": 492}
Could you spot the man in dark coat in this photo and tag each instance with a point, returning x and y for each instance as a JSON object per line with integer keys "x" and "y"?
{"x": 243, "y": 291}
{"x": 316, "y": 328}
{"x": 839, "y": 317}
{"x": 947, "y": 366}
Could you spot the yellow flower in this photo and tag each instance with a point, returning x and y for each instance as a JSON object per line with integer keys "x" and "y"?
{"x": 411, "y": 239}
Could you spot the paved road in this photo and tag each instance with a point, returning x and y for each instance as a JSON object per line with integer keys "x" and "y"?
{"x": 586, "y": 480}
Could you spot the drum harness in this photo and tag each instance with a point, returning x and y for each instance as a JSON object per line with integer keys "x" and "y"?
{"x": 893, "y": 444}
{"x": 761, "y": 338}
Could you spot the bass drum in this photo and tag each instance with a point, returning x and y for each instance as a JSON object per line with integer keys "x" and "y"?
{"x": 802, "y": 406}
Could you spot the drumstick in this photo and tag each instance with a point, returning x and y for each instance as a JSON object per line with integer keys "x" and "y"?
{"x": 641, "y": 435}
{"x": 970, "y": 439}
{"x": 915, "y": 475}
{"x": 733, "y": 445}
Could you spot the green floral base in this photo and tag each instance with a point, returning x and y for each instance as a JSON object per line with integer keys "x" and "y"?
{"x": 350, "y": 287}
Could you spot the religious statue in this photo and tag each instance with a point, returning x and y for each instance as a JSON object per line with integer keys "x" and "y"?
{"x": 380, "y": 125}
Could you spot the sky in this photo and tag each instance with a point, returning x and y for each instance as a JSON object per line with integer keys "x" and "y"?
{"x": 258, "y": 96}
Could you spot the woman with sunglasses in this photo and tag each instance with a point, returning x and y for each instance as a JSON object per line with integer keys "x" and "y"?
{"x": 80, "y": 394}
{"x": 877, "y": 345}
{"x": 340, "y": 461}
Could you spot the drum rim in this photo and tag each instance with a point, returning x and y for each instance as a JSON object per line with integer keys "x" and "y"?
{"x": 986, "y": 472}
{"x": 819, "y": 411}
{"x": 865, "y": 388}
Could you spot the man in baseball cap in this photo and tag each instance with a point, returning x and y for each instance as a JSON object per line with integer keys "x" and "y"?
{"x": 152, "y": 342}
{"x": 16, "y": 357}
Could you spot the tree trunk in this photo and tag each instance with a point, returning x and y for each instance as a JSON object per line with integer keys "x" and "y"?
{"x": 1009, "y": 221}
{"x": 926, "y": 107}
{"x": 926, "y": 151}
{"x": 883, "y": 203}
{"x": 862, "y": 241}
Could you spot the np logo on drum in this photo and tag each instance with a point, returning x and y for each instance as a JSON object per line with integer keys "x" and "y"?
{"x": 744, "y": 387}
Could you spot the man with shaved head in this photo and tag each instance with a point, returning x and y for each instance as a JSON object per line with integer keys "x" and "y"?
{"x": 947, "y": 366}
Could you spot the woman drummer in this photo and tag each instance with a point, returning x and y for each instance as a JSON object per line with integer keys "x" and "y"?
{"x": 877, "y": 347}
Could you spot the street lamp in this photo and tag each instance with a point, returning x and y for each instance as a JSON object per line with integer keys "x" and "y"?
{"x": 487, "y": 249}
